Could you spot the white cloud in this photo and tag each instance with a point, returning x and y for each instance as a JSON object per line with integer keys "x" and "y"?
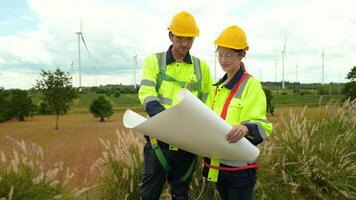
{"x": 116, "y": 31}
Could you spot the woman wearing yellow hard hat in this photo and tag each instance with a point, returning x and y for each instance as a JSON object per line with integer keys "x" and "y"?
{"x": 239, "y": 99}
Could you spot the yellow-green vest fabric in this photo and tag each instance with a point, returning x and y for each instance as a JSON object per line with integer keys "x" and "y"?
{"x": 183, "y": 72}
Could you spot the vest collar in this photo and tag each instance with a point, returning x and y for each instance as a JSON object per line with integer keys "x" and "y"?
{"x": 237, "y": 76}
{"x": 170, "y": 59}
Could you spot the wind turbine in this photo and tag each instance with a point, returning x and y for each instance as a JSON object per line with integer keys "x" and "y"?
{"x": 296, "y": 73}
{"x": 283, "y": 55}
{"x": 275, "y": 70}
{"x": 134, "y": 69}
{"x": 81, "y": 38}
{"x": 323, "y": 56}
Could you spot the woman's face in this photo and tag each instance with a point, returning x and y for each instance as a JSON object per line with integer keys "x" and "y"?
{"x": 229, "y": 59}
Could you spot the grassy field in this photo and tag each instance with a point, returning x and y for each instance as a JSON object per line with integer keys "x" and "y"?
{"x": 77, "y": 144}
{"x": 310, "y": 100}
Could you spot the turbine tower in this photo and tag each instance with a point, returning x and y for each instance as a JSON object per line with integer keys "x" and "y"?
{"x": 283, "y": 55}
{"x": 134, "y": 70}
{"x": 275, "y": 70}
{"x": 81, "y": 38}
{"x": 296, "y": 73}
{"x": 322, "y": 70}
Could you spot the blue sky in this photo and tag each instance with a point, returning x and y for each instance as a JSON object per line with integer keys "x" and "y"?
{"x": 40, "y": 34}
{"x": 16, "y": 16}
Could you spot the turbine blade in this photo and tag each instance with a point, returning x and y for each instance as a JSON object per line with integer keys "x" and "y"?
{"x": 85, "y": 44}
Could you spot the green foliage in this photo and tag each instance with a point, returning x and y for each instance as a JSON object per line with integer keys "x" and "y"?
{"x": 57, "y": 91}
{"x": 269, "y": 98}
{"x": 101, "y": 107}
{"x": 45, "y": 109}
{"x": 117, "y": 94}
{"x": 21, "y": 104}
{"x": 5, "y": 106}
{"x": 350, "y": 88}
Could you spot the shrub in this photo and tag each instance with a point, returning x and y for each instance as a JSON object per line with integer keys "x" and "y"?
{"x": 5, "y": 107}
{"x": 350, "y": 88}
{"x": 269, "y": 98}
{"x": 101, "y": 108}
{"x": 21, "y": 104}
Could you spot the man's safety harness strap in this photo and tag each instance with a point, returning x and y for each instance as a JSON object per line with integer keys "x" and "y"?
{"x": 164, "y": 163}
{"x": 214, "y": 166}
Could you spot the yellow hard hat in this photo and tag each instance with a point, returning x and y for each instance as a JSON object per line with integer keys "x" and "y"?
{"x": 183, "y": 24}
{"x": 232, "y": 37}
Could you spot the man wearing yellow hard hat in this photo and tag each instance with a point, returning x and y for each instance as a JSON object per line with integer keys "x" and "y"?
{"x": 164, "y": 75}
{"x": 239, "y": 99}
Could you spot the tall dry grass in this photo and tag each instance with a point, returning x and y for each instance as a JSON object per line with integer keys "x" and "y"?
{"x": 120, "y": 167}
{"x": 26, "y": 175}
{"x": 311, "y": 158}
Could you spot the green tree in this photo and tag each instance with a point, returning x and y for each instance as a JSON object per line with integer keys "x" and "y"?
{"x": 101, "y": 107}
{"x": 44, "y": 109}
{"x": 21, "y": 104}
{"x": 117, "y": 94}
{"x": 5, "y": 111}
{"x": 350, "y": 87}
{"x": 57, "y": 91}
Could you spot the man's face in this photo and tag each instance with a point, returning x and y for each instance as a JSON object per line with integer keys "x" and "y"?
{"x": 181, "y": 45}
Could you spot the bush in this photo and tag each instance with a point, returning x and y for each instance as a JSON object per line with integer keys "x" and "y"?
{"x": 269, "y": 98}
{"x": 311, "y": 159}
{"x": 21, "y": 104}
{"x": 101, "y": 108}
{"x": 117, "y": 94}
{"x": 45, "y": 109}
{"x": 5, "y": 107}
{"x": 350, "y": 88}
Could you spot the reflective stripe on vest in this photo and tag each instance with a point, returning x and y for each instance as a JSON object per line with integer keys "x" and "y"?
{"x": 162, "y": 76}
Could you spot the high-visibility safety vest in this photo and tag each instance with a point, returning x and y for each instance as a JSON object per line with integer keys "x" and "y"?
{"x": 244, "y": 104}
{"x": 161, "y": 82}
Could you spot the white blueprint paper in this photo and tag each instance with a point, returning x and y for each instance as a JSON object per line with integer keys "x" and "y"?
{"x": 193, "y": 127}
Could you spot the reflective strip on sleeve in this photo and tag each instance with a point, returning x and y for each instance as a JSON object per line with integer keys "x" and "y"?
{"x": 261, "y": 131}
{"x": 149, "y": 99}
{"x": 164, "y": 100}
{"x": 149, "y": 83}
